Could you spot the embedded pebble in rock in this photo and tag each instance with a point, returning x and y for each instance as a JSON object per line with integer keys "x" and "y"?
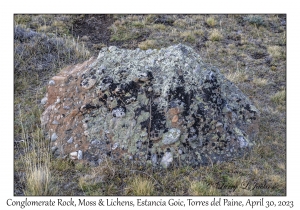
{"x": 73, "y": 155}
{"x": 53, "y": 149}
{"x": 52, "y": 82}
{"x": 44, "y": 100}
{"x": 79, "y": 156}
{"x": 157, "y": 106}
{"x": 171, "y": 136}
{"x": 167, "y": 159}
{"x": 54, "y": 137}
{"x": 70, "y": 140}
{"x": 55, "y": 122}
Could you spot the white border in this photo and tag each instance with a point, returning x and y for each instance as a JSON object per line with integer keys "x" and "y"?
{"x": 153, "y": 6}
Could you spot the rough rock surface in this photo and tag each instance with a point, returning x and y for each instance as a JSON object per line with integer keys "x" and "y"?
{"x": 160, "y": 107}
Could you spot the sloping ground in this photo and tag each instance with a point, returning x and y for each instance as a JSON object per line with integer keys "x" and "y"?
{"x": 249, "y": 49}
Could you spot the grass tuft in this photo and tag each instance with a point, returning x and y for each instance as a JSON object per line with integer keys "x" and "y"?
{"x": 215, "y": 35}
{"x": 279, "y": 97}
{"x": 237, "y": 77}
{"x": 275, "y": 52}
{"x": 260, "y": 82}
{"x": 188, "y": 36}
{"x": 211, "y": 21}
{"x": 140, "y": 186}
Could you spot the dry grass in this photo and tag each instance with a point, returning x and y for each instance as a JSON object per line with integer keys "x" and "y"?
{"x": 279, "y": 97}
{"x": 215, "y": 35}
{"x": 275, "y": 51}
{"x": 188, "y": 36}
{"x": 140, "y": 186}
{"x": 36, "y": 162}
{"x": 237, "y": 77}
{"x": 211, "y": 21}
{"x": 260, "y": 82}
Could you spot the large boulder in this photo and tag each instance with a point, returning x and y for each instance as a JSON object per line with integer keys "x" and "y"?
{"x": 159, "y": 107}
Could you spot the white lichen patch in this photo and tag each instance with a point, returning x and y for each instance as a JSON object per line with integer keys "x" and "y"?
{"x": 171, "y": 136}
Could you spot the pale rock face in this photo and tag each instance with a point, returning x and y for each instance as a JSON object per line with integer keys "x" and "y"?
{"x": 157, "y": 106}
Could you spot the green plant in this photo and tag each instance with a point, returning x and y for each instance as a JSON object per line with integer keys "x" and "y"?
{"x": 254, "y": 19}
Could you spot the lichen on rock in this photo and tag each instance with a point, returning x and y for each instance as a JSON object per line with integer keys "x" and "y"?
{"x": 159, "y": 106}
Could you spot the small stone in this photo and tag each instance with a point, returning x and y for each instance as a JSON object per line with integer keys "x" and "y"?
{"x": 112, "y": 48}
{"x": 80, "y": 155}
{"x": 53, "y": 149}
{"x": 55, "y": 122}
{"x": 154, "y": 159}
{"x": 166, "y": 160}
{"x": 66, "y": 107}
{"x": 44, "y": 100}
{"x": 73, "y": 154}
{"x": 115, "y": 146}
{"x": 51, "y": 82}
{"x": 70, "y": 140}
{"x": 171, "y": 136}
{"x": 85, "y": 126}
{"x": 175, "y": 119}
{"x": 218, "y": 124}
{"x": 76, "y": 146}
{"x": 54, "y": 137}
{"x": 57, "y": 100}
{"x": 95, "y": 142}
{"x": 243, "y": 142}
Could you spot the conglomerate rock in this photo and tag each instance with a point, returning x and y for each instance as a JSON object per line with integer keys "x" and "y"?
{"x": 157, "y": 107}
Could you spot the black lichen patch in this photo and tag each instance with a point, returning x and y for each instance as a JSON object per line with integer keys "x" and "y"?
{"x": 158, "y": 119}
{"x": 107, "y": 80}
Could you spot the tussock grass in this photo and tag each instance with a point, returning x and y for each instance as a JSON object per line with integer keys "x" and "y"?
{"x": 275, "y": 52}
{"x": 215, "y": 35}
{"x": 140, "y": 186}
{"x": 279, "y": 97}
{"x": 211, "y": 21}
{"x": 188, "y": 36}
{"x": 261, "y": 82}
{"x": 237, "y": 76}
